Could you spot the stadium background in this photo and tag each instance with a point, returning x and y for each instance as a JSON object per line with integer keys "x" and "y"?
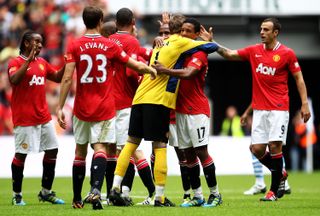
{"x": 236, "y": 24}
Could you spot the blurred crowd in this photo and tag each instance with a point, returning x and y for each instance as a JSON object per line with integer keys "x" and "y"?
{"x": 59, "y": 22}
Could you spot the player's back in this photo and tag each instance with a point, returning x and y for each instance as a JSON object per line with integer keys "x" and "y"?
{"x": 94, "y": 56}
{"x": 125, "y": 79}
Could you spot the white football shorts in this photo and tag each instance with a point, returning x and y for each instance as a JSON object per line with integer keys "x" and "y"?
{"x": 122, "y": 126}
{"x": 192, "y": 130}
{"x": 173, "y": 138}
{"x": 35, "y": 139}
{"x": 269, "y": 125}
{"x": 94, "y": 132}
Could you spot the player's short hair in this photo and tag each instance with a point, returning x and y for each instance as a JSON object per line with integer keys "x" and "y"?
{"x": 275, "y": 21}
{"x": 124, "y": 17}
{"x": 176, "y": 22}
{"x": 92, "y": 16}
{"x": 108, "y": 28}
{"x": 27, "y": 36}
{"x": 196, "y": 24}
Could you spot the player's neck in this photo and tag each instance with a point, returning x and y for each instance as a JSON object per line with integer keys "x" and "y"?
{"x": 92, "y": 31}
{"x": 127, "y": 29}
{"x": 271, "y": 45}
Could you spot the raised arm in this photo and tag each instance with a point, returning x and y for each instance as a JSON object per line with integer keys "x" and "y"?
{"x": 223, "y": 51}
{"x": 228, "y": 53}
{"x": 20, "y": 73}
{"x": 301, "y": 86}
{"x": 64, "y": 90}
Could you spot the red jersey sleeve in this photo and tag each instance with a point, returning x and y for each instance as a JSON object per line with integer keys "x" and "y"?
{"x": 13, "y": 66}
{"x": 293, "y": 64}
{"x": 70, "y": 56}
{"x": 198, "y": 60}
{"x": 119, "y": 54}
{"x": 244, "y": 53}
{"x": 50, "y": 68}
{"x": 145, "y": 53}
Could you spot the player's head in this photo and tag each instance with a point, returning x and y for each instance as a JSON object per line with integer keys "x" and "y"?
{"x": 108, "y": 28}
{"x": 190, "y": 28}
{"x": 175, "y": 23}
{"x": 124, "y": 18}
{"x": 164, "y": 31}
{"x": 92, "y": 17}
{"x": 28, "y": 40}
{"x": 270, "y": 29}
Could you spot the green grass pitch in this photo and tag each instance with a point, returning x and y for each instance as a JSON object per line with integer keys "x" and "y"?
{"x": 304, "y": 200}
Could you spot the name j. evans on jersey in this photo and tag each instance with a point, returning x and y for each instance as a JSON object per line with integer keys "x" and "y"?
{"x": 93, "y": 45}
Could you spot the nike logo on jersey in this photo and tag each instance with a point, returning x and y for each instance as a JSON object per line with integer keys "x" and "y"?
{"x": 200, "y": 141}
{"x": 258, "y": 56}
{"x": 28, "y": 68}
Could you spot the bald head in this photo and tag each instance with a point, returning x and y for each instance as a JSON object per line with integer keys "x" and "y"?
{"x": 108, "y": 28}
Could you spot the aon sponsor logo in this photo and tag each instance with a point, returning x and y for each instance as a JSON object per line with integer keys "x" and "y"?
{"x": 36, "y": 80}
{"x": 266, "y": 70}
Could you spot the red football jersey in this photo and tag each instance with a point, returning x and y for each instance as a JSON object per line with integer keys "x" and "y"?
{"x": 191, "y": 98}
{"x": 28, "y": 103}
{"x": 126, "y": 80}
{"x": 95, "y": 57}
{"x": 270, "y": 69}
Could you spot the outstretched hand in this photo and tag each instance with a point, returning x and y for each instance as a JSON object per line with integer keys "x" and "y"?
{"x": 33, "y": 52}
{"x": 206, "y": 35}
{"x": 165, "y": 18}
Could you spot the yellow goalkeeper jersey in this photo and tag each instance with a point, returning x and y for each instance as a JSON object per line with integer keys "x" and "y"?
{"x": 163, "y": 90}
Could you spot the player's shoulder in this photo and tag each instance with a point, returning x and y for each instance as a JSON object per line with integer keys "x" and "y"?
{"x": 255, "y": 46}
{"x": 200, "y": 54}
{"x": 285, "y": 51}
{"x": 285, "y": 48}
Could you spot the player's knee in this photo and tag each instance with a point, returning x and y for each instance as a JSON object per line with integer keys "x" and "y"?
{"x": 52, "y": 153}
{"x": 138, "y": 155}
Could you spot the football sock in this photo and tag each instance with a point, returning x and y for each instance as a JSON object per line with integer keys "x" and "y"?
{"x": 98, "y": 169}
{"x": 152, "y": 164}
{"x": 194, "y": 170}
{"x": 160, "y": 166}
{"x": 111, "y": 166}
{"x": 17, "y": 167}
{"x": 78, "y": 175}
{"x": 49, "y": 165}
{"x": 258, "y": 171}
{"x": 266, "y": 160}
{"x": 185, "y": 176}
{"x": 124, "y": 159}
{"x": 276, "y": 171}
{"x": 145, "y": 175}
{"x": 129, "y": 176}
{"x": 209, "y": 171}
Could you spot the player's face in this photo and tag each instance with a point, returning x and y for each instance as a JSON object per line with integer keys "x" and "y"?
{"x": 164, "y": 31}
{"x": 187, "y": 30}
{"x": 37, "y": 42}
{"x": 267, "y": 34}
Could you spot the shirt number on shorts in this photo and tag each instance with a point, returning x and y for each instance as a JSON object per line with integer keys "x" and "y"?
{"x": 201, "y": 132}
{"x": 85, "y": 78}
